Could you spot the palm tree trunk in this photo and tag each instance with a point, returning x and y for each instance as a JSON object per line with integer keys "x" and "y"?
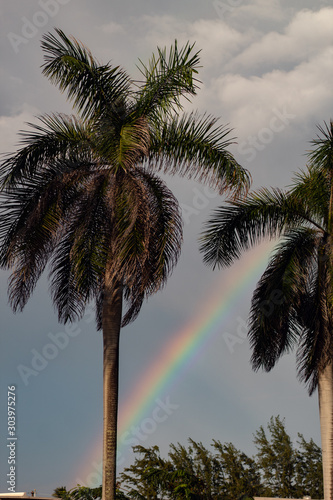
{"x": 325, "y": 394}
{"x": 111, "y": 322}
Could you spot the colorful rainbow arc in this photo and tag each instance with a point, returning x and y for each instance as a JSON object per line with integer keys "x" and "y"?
{"x": 184, "y": 347}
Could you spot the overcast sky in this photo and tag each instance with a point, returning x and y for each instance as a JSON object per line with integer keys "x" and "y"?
{"x": 267, "y": 71}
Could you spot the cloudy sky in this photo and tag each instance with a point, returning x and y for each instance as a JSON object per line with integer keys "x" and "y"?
{"x": 267, "y": 71}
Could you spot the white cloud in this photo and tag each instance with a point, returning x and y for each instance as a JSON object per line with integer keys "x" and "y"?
{"x": 258, "y": 10}
{"x": 307, "y": 34}
{"x": 11, "y": 125}
{"x": 241, "y": 51}
{"x": 305, "y": 92}
{"x": 113, "y": 28}
{"x": 218, "y": 41}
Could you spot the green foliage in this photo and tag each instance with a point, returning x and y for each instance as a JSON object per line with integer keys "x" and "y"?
{"x": 308, "y": 469}
{"x": 61, "y": 492}
{"x": 276, "y": 459}
{"x": 288, "y": 471}
{"x": 84, "y": 493}
{"x": 238, "y": 472}
{"x": 279, "y": 469}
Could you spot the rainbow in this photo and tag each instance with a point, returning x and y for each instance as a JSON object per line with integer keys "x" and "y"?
{"x": 179, "y": 352}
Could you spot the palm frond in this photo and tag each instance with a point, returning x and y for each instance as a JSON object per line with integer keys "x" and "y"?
{"x": 242, "y": 224}
{"x": 321, "y": 156}
{"x": 55, "y": 138}
{"x": 34, "y": 219}
{"x": 90, "y": 85}
{"x": 149, "y": 239}
{"x": 273, "y": 325}
{"x": 315, "y": 315}
{"x": 195, "y": 147}
{"x": 168, "y": 77}
{"x": 124, "y": 144}
{"x": 68, "y": 301}
{"x": 28, "y": 241}
{"x": 80, "y": 258}
{"x": 312, "y": 186}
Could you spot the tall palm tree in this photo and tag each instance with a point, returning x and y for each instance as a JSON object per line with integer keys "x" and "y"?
{"x": 292, "y": 304}
{"x": 82, "y": 198}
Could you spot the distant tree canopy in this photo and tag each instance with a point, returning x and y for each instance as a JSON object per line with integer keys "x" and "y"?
{"x": 191, "y": 473}
{"x": 287, "y": 471}
{"x": 279, "y": 469}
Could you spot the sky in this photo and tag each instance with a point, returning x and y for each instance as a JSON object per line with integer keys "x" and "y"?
{"x": 267, "y": 72}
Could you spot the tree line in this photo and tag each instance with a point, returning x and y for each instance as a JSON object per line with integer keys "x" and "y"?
{"x": 280, "y": 468}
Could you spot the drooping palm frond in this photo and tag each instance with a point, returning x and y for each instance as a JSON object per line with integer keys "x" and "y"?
{"x": 243, "y": 224}
{"x": 193, "y": 146}
{"x": 273, "y": 324}
{"x": 58, "y": 136}
{"x": 80, "y": 257}
{"x": 68, "y": 301}
{"x": 149, "y": 241}
{"x": 166, "y": 228}
{"x": 33, "y": 221}
{"x": 31, "y": 216}
{"x": 315, "y": 316}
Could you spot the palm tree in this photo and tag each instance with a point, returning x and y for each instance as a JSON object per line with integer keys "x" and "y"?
{"x": 82, "y": 198}
{"x": 292, "y": 304}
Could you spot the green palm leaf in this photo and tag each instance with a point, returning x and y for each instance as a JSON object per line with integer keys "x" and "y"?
{"x": 167, "y": 78}
{"x": 60, "y": 137}
{"x": 90, "y": 85}
{"x": 273, "y": 326}
{"x": 195, "y": 147}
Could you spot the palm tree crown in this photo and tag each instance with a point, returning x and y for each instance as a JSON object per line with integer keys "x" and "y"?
{"x": 82, "y": 196}
{"x": 299, "y": 272}
{"x": 76, "y": 180}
